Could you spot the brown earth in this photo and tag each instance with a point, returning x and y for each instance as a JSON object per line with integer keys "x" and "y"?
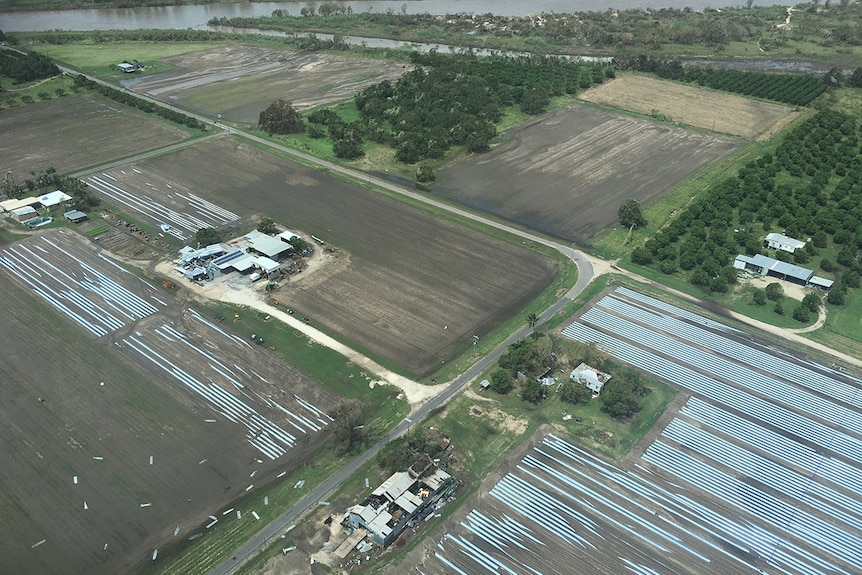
{"x": 415, "y": 289}
{"x": 58, "y": 416}
{"x": 567, "y": 173}
{"x": 239, "y": 82}
{"x": 699, "y": 107}
{"x": 73, "y": 132}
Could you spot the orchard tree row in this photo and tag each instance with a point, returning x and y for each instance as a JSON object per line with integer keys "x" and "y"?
{"x": 795, "y": 89}
{"x": 810, "y": 188}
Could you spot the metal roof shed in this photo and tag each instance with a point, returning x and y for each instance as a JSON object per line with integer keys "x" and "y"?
{"x": 13, "y": 204}
{"x": 791, "y": 272}
{"x": 75, "y": 216}
{"x": 54, "y": 198}
{"x": 267, "y": 265}
{"x": 822, "y": 283}
{"x": 267, "y": 245}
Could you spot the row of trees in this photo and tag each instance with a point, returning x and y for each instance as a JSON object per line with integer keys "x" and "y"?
{"x": 81, "y": 82}
{"x": 796, "y": 89}
{"x": 811, "y": 187}
{"x": 828, "y": 25}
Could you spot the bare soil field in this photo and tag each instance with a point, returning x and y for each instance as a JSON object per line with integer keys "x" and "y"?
{"x": 699, "y": 107}
{"x": 128, "y": 418}
{"x": 239, "y": 82}
{"x": 567, "y": 173}
{"x": 413, "y": 289}
{"x": 73, "y": 132}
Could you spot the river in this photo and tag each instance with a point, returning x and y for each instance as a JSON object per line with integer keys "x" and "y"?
{"x": 196, "y": 16}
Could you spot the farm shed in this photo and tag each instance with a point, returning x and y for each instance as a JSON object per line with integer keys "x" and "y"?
{"x": 782, "y": 270}
{"x": 781, "y": 242}
{"x": 396, "y": 502}
{"x": 268, "y": 246}
{"x": 13, "y": 204}
{"x": 236, "y": 260}
{"x": 590, "y": 377}
{"x": 25, "y": 213}
{"x": 127, "y": 68}
{"x": 267, "y": 266}
{"x": 75, "y": 216}
{"x": 287, "y": 235}
{"x": 53, "y": 199}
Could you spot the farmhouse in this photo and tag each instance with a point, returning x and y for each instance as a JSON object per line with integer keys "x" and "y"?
{"x": 782, "y": 270}
{"x": 590, "y": 377}
{"x": 397, "y": 502}
{"x": 775, "y": 241}
{"x": 54, "y": 199}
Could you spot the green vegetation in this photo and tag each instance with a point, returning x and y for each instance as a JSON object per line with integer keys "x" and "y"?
{"x": 795, "y": 89}
{"x": 23, "y": 68}
{"x": 822, "y": 32}
{"x": 807, "y": 187}
{"x": 416, "y": 116}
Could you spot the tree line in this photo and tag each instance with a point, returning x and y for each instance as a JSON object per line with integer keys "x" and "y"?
{"x": 795, "y": 89}
{"x": 82, "y": 82}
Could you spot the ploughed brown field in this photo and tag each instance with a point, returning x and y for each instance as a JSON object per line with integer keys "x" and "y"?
{"x": 699, "y": 107}
{"x": 74, "y": 132}
{"x": 567, "y": 173}
{"x": 408, "y": 287}
{"x": 101, "y": 373}
{"x": 239, "y": 82}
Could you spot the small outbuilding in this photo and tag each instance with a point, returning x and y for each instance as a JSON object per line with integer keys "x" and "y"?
{"x": 127, "y": 68}
{"x": 75, "y": 216}
{"x": 25, "y": 214}
{"x": 776, "y": 241}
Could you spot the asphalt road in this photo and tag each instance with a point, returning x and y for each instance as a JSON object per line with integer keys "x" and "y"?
{"x": 318, "y": 494}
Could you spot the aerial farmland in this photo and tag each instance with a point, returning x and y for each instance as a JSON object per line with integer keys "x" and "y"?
{"x": 757, "y": 470}
{"x": 412, "y": 288}
{"x": 129, "y": 418}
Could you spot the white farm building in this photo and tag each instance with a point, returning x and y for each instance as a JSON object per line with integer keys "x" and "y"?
{"x": 776, "y": 241}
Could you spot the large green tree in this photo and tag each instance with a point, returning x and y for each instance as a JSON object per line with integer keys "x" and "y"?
{"x": 281, "y": 117}
{"x": 630, "y": 214}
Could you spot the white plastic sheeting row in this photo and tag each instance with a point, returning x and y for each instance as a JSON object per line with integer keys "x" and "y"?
{"x": 79, "y": 291}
